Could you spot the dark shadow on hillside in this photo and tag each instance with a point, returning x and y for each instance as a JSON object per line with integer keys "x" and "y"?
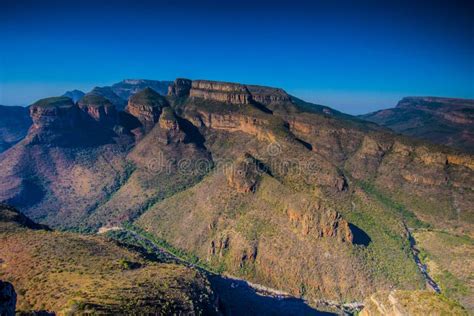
{"x": 360, "y": 236}
{"x": 262, "y": 107}
{"x": 192, "y": 133}
{"x": 238, "y": 298}
{"x": 305, "y": 144}
{"x": 31, "y": 193}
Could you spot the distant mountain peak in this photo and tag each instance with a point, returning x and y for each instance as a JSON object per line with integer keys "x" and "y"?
{"x": 445, "y": 121}
{"x": 75, "y": 94}
{"x": 434, "y": 102}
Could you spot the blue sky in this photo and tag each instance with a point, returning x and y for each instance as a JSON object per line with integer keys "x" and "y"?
{"x": 356, "y": 56}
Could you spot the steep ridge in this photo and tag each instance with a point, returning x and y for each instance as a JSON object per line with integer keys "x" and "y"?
{"x": 445, "y": 121}
{"x": 256, "y": 184}
{"x": 67, "y": 273}
{"x": 14, "y": 124}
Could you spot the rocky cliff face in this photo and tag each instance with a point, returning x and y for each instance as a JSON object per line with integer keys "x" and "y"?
{"x": 444, "y": 121}
{"x": 244, "y": 174}
{"x": 267, "y": 95}
{"x": 312, "y": 220}
{"x": 236, "y": 93}
{"x": 58, "y": 121}
{"x": 99, "y": 109}
{"x": 220, "y": 91}
{"x": 52, "y": 117}
{"x": 146, "y": 106}
{"x": 7, "y": 299}
{"x": 180, "y": 88}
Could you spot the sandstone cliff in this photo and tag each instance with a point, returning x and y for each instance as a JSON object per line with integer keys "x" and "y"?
{"x": 180, "y": 87}
{"x": 220, "y": 91}
{"x": 146, "y": 106}
{"x": 99, "y": 109}
{"x": 53, "y": 117}
{"x": 227, "y": 92}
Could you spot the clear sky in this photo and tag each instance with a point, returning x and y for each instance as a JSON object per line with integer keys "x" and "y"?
{"x": 356, "y": 56}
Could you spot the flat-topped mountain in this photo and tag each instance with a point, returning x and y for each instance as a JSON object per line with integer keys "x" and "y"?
{"x": 60, "y": 121}
{"x": 227, "y": 92}
{"x": 250, "y": 181}
{"x": 146, "y": 106}
{"x": 446, "y": 121}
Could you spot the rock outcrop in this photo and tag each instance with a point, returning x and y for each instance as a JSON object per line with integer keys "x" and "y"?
{"x": 146, "y": 106}
{"x": 244, "y": 174}
{"x": 7, "y": 299}
{"x": 267, "y": 95}
{"x": 234, "y": 123}
{"x": 233, "y": 93}
{"x": 180, "y": 88}
{"x": 310, "y": 219}
{"x": 52, "y": 117}
{"x": 170, "y": 131}
{"x": 99, "y": 109}
{"x": 58, "y": 121}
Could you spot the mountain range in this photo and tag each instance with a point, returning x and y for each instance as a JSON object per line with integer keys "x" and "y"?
{"x": 446, "y": 121}
{"x": 244, "y": 181}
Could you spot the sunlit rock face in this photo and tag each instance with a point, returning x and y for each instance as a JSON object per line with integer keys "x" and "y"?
{"x": 233, "y": 93}
{"x": 146, "y": 106}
